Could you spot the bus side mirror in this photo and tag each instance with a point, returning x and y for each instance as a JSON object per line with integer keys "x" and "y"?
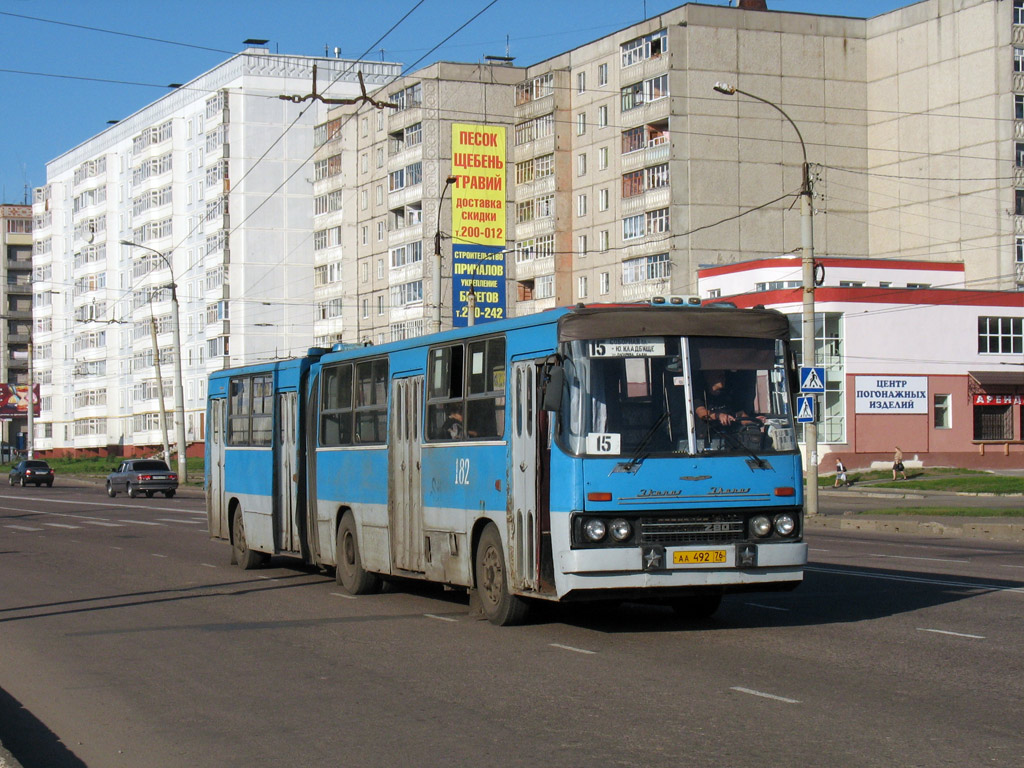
{"x": 554, "y": 378}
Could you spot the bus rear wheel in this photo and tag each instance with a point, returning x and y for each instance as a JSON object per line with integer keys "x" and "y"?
{"x": 498, "y": 606}
{"x": 241, "y": 555}
{"x": 349, "y": 572}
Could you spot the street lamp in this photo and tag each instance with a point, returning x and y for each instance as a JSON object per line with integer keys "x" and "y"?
{"x": 807, "y": 262}
{"x": 436, "y": 281}
{"x": 179, "y": 393}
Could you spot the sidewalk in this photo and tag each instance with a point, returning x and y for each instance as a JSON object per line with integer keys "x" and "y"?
{"x": 994, "y": 528}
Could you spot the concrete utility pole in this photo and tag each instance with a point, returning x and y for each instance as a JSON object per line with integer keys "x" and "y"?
{"x": 435, "y": 283}
{"x": 179, "y": 392}
{"x": 807, "y": 319}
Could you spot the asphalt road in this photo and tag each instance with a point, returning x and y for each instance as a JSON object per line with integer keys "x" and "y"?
{"x": 126, "y": 639}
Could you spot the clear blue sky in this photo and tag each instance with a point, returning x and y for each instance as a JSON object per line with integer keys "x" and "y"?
{"x": 44, "y": 115}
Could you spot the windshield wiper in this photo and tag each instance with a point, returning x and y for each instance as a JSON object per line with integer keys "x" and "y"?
{"x": 638, "y": 455}
{"x": 737, "y": 443}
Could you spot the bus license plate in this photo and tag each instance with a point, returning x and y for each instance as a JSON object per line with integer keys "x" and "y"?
{"x": 699, "y": 557}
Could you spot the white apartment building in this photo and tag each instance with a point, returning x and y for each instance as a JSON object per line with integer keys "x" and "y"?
{"x": 212, "y": 185}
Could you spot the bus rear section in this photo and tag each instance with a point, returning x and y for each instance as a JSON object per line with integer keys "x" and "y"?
{"x": 254, "y": 462}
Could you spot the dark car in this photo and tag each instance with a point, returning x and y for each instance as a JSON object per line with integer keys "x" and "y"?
{"x": 142, "y": 476}
{"x": 32, "y": 471}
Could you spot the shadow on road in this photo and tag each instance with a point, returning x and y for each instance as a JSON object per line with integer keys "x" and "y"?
{"x": 829, "y": 595}
{"x": 30, "y": 742}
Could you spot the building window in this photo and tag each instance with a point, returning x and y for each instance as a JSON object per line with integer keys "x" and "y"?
{"x": 581, "y": 245}
{"x": 1018, "y": 202}
{"x": 581, "y": 123}
{"x": 993, "y": 422}
{"x": 544, "y": 287}
{"x": 645, "y": 268}
{"x": 581, "y": 82}
{"x": 1019, "y": 253}
{"x": 581, "y": 164}
{"x": 581, "y": 287}
{"x": 643, "y": 48}
{"x": 828, "y": 352}
{"x": 1000, "y": 335}
{"x": 602, "y": 116}
{"x": 1018, "y": 106}
{"x": 602, "y": 158}
{"x": 534, "y": 89}
{"x": 1018, "y": 59}
{"x": 602, "y": 199}
{"x": 581, "y": 205}
{"x": 606, "y": 283}
{"x": 1018, "y": 11}
{"x": 646, "y": 91}
{"x": 942, "y": 408}
{"x": 602, "y": 74}
{"x": 1019, "y": 154}
{"x": 602, "y": 240}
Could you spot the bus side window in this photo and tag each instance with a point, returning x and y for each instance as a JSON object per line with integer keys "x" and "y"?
{"x": 485, "y": 407}
{"x": 444, "y": 393}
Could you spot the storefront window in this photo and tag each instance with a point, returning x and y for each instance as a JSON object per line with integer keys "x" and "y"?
{"x": 828, "y": 352}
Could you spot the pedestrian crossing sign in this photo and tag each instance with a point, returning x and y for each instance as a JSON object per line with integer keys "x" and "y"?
{"x": 812, "y": 380}
{"x": 805, "y": 409}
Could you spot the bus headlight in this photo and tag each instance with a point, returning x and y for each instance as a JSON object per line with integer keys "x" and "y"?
{"x": 621, "y": 529}
{"x": 594, "y": 529}
{"x": 760, "y": 526}
{"x": 784, "y": 524}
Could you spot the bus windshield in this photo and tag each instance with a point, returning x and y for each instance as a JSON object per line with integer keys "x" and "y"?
{"x": 670, "y": 395}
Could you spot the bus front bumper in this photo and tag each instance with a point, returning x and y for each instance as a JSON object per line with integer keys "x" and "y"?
{"x": 736, "y": 565}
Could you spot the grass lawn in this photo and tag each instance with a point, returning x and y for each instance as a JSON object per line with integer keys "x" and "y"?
{"x": 102, "y": 466}
{"x": 948, "y": 479}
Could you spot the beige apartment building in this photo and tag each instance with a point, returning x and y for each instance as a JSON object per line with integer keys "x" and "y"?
{"x": 16, "y": 317}
{"x": 379, "y": 175}
{"x": 627, "y": 171}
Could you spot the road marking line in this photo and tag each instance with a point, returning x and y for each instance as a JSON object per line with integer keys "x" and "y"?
{"x": 144, "y": 522}
{"x": 912, "y": 580}
{"x": 930, "y": 559}
{"x": 439, "y": 618}
{"x": 764, "y": 695}
{"x": 61, "y": 525}
{"x": 570, "y": 648}
{"x": 1011, "y": 566}
{"x": 118, "y": 548}
{"x": 183, "y": 522}
{"x": 22, "y": 528}
{"x": 342, "y": 594}
{"x": 954, "y": 634}
{"x": 812, "y": 549}
{"x": 104, "y": 524}
{"x": 208, "y": 565}
{"x": 156, "y": 555}
{"x": 768, "y": 607}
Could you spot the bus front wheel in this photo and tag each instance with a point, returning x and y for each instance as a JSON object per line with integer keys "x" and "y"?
{"x": 498, "y": 606}
{"x": 349, "y": 573}
{"x": 240, "y": 552}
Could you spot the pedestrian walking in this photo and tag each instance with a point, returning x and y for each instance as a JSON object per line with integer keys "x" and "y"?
{"x": 897, "y": 464}
{"x": 840, "y": 473}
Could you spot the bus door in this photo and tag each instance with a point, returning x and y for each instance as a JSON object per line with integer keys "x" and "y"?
{"x": 215, "y": 461}
{"x": 405, "y": 492}
{"x": 285, "y": 487}
{"x": 522, "y": 517}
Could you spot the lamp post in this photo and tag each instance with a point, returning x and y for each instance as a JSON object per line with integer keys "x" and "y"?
{"x": 436, "y": 279}
{"x": 807, "y": 263}
{"x": 179, "y": 392}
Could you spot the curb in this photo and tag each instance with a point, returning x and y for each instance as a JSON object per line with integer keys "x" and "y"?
{"x": 7, "y": 759}
{"x": 946, "y": 527}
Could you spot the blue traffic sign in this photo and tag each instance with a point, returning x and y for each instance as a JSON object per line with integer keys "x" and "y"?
{"x": 812, "y": 380}
{"x": 805, "y": 409}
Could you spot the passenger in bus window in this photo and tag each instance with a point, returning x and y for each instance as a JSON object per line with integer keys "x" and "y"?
{"x": 452, "y": 428}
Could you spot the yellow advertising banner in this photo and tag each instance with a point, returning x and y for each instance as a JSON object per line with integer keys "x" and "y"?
{"x": 479, "y": 194}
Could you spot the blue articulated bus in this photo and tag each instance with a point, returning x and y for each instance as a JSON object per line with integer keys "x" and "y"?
{"x": 597, "y": 452}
